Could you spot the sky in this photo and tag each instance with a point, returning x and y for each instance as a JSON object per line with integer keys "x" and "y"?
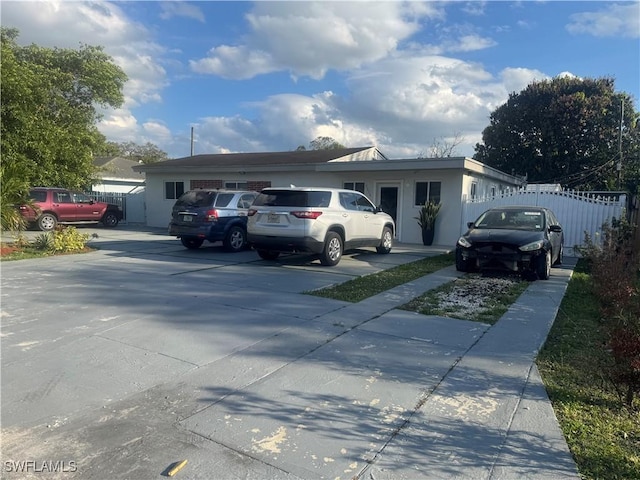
{"x": 271, "y": 76}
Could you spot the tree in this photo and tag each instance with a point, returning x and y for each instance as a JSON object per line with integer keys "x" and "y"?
{"x": 147, "y": 153}
{"x": 441, "y": 148}
{"x": 48, "y": 111}
{"x": 324, "y": 143}
{"x": 565, "y": 130}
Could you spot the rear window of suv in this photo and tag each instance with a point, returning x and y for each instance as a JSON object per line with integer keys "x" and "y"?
{"x": 293, "y": 198}
{"x": 38, "y": 195}
{"x": 196, "y": 198}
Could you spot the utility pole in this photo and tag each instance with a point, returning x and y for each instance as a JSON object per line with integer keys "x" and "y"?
{"x": 620, "y": 146}
{"x": 192, "y": 141}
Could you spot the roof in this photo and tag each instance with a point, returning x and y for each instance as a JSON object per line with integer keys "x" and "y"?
{"x": 296, "y": 157}
{"x": 117, "y": 168}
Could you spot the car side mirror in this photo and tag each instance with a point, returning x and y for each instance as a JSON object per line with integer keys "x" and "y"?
{"x": 378, "y": 209}
{"x": 555, "y": 228}
{"x": 469, "y": 224}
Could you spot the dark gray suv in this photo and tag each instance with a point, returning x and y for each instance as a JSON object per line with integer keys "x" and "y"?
{"x": 213, "y": 215}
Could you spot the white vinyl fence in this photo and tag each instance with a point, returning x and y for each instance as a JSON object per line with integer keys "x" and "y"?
{"x": 578, "y": 212}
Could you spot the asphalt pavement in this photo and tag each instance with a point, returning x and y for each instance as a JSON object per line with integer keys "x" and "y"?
{"x": 123, "y": 362}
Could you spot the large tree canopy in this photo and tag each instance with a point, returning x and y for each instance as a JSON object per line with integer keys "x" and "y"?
{"x": 49, "y": 110}
{"x": 566, "y": 130}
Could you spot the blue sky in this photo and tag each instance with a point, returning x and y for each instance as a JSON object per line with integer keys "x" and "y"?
{"x": 270, "y": 76}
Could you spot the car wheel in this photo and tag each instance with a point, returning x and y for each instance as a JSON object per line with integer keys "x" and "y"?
{"x": 47, "y": 222}
{"x": 110, "y": 219}
{"x": 462, "y": 265}
{"x": 192, "y": 243}
{"x": 386, "y": 242}
{"x": 332, "y": 252}
{"x": 268, "y": 254}
{"x": 543, "y": 267}
{"x": 235, "y": 240}
{"x": 560, "y": 256}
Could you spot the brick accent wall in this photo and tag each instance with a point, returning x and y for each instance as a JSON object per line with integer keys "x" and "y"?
{"x": 206, "y": 184}
{"x": 256, "y": 186}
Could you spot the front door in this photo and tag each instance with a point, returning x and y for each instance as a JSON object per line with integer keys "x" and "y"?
{"x": 388, "y": 194}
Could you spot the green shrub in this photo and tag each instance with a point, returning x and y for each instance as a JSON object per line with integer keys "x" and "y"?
{"x": 44, "y": 241}
{"x": 68, "y": 239}
{"x": 614, "y": 266}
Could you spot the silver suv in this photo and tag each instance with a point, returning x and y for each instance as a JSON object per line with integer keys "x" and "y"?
{"x": 212, "y": 215}
{"x": 323, "y": 221}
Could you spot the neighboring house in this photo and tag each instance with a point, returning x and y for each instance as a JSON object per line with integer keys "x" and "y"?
{"x": 117, "y": 175}
{"x": 400, "y": 186}
{"x": 121, "y": 184}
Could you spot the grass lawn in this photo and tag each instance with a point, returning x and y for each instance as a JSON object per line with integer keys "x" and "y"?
{"x": 360, "y": 288}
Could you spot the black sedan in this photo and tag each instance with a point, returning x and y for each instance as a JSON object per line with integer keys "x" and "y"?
{"x": 522, "y": 239}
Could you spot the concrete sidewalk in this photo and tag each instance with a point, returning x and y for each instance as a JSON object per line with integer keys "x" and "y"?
{"x": 316, "y": 389}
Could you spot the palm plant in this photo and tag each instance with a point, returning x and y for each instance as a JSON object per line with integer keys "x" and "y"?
{"x": 428, "y": 214}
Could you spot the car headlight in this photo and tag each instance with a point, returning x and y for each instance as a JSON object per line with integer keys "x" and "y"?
{"x": 463, "y": 242}
{"x": 529, "y": 247}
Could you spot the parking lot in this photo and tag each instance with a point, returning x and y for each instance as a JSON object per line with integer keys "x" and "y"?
{"x": 121, "y": 362}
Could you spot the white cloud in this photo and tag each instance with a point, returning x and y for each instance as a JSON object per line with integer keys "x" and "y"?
{"x": 180, "y": 9}
{"x": 615, "y": 20}
{"x": 310, "y": 38}
{"x": 401, "y": 104}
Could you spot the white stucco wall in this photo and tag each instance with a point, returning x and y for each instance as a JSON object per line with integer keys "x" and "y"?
{"x": 447, "y": 225}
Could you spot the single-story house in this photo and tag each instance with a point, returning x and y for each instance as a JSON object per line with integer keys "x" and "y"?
{"x": 117, "y": 175}
{"x": 399, "y": 186}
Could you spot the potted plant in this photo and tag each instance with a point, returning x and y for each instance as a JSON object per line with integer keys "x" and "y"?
{"x": 427, "y": 220}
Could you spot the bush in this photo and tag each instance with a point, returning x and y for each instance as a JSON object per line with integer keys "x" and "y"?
{"x": 68, "y": 239}
{"x": 614, "y": 272}
{"x": 44, "y": 241}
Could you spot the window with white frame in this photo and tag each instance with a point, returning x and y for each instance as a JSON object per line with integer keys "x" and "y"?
{"x": 427, "y": 191}
{"x": 357, "y": 186}
{"x": 474, "y": 189}
{"x": 235, "y": 185}
{"x": 173, "y": 190}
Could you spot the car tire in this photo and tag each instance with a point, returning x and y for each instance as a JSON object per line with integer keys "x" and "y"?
{"x": 386, "y": 242}
{"x": 110, "y": 220}
{"x": 236, "y": 239}
{"x": 47, "y": 222}
{"x": 332, "y": 252}
{"x": 543, "y": 265}
{"x": 268, "y": 254}
{"x": 462, "y": 265}
{"x": 192, "y": 243}
{"x": 560, "y": 256}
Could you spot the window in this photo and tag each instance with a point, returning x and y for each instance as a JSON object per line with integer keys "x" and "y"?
{"x": 357, "y": 186}
{"x": 474, "y": 189}
{"x": 427, "y": 191}
{"x": 173, "y": 190}
{"x": 235, "y": 185}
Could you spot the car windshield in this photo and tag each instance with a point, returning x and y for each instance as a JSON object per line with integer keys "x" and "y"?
{"x": 511, "y": 219}
{"x": 195, "y": 198}
{"x": 293, "y": 198}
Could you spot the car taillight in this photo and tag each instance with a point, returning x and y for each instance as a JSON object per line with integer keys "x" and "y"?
{"x": 211, "y": 215}
{"x": 306, "y": 214}
{"x": 251, "y": 212}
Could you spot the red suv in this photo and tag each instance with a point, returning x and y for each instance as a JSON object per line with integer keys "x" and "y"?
{"x": 58, "y": 205}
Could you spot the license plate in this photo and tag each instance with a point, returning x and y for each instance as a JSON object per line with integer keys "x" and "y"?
{"x": 273, "y": 218}
{"x": 187, "y": 218}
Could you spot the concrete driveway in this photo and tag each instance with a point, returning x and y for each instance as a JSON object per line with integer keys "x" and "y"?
{"x": 122, "y": 362}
